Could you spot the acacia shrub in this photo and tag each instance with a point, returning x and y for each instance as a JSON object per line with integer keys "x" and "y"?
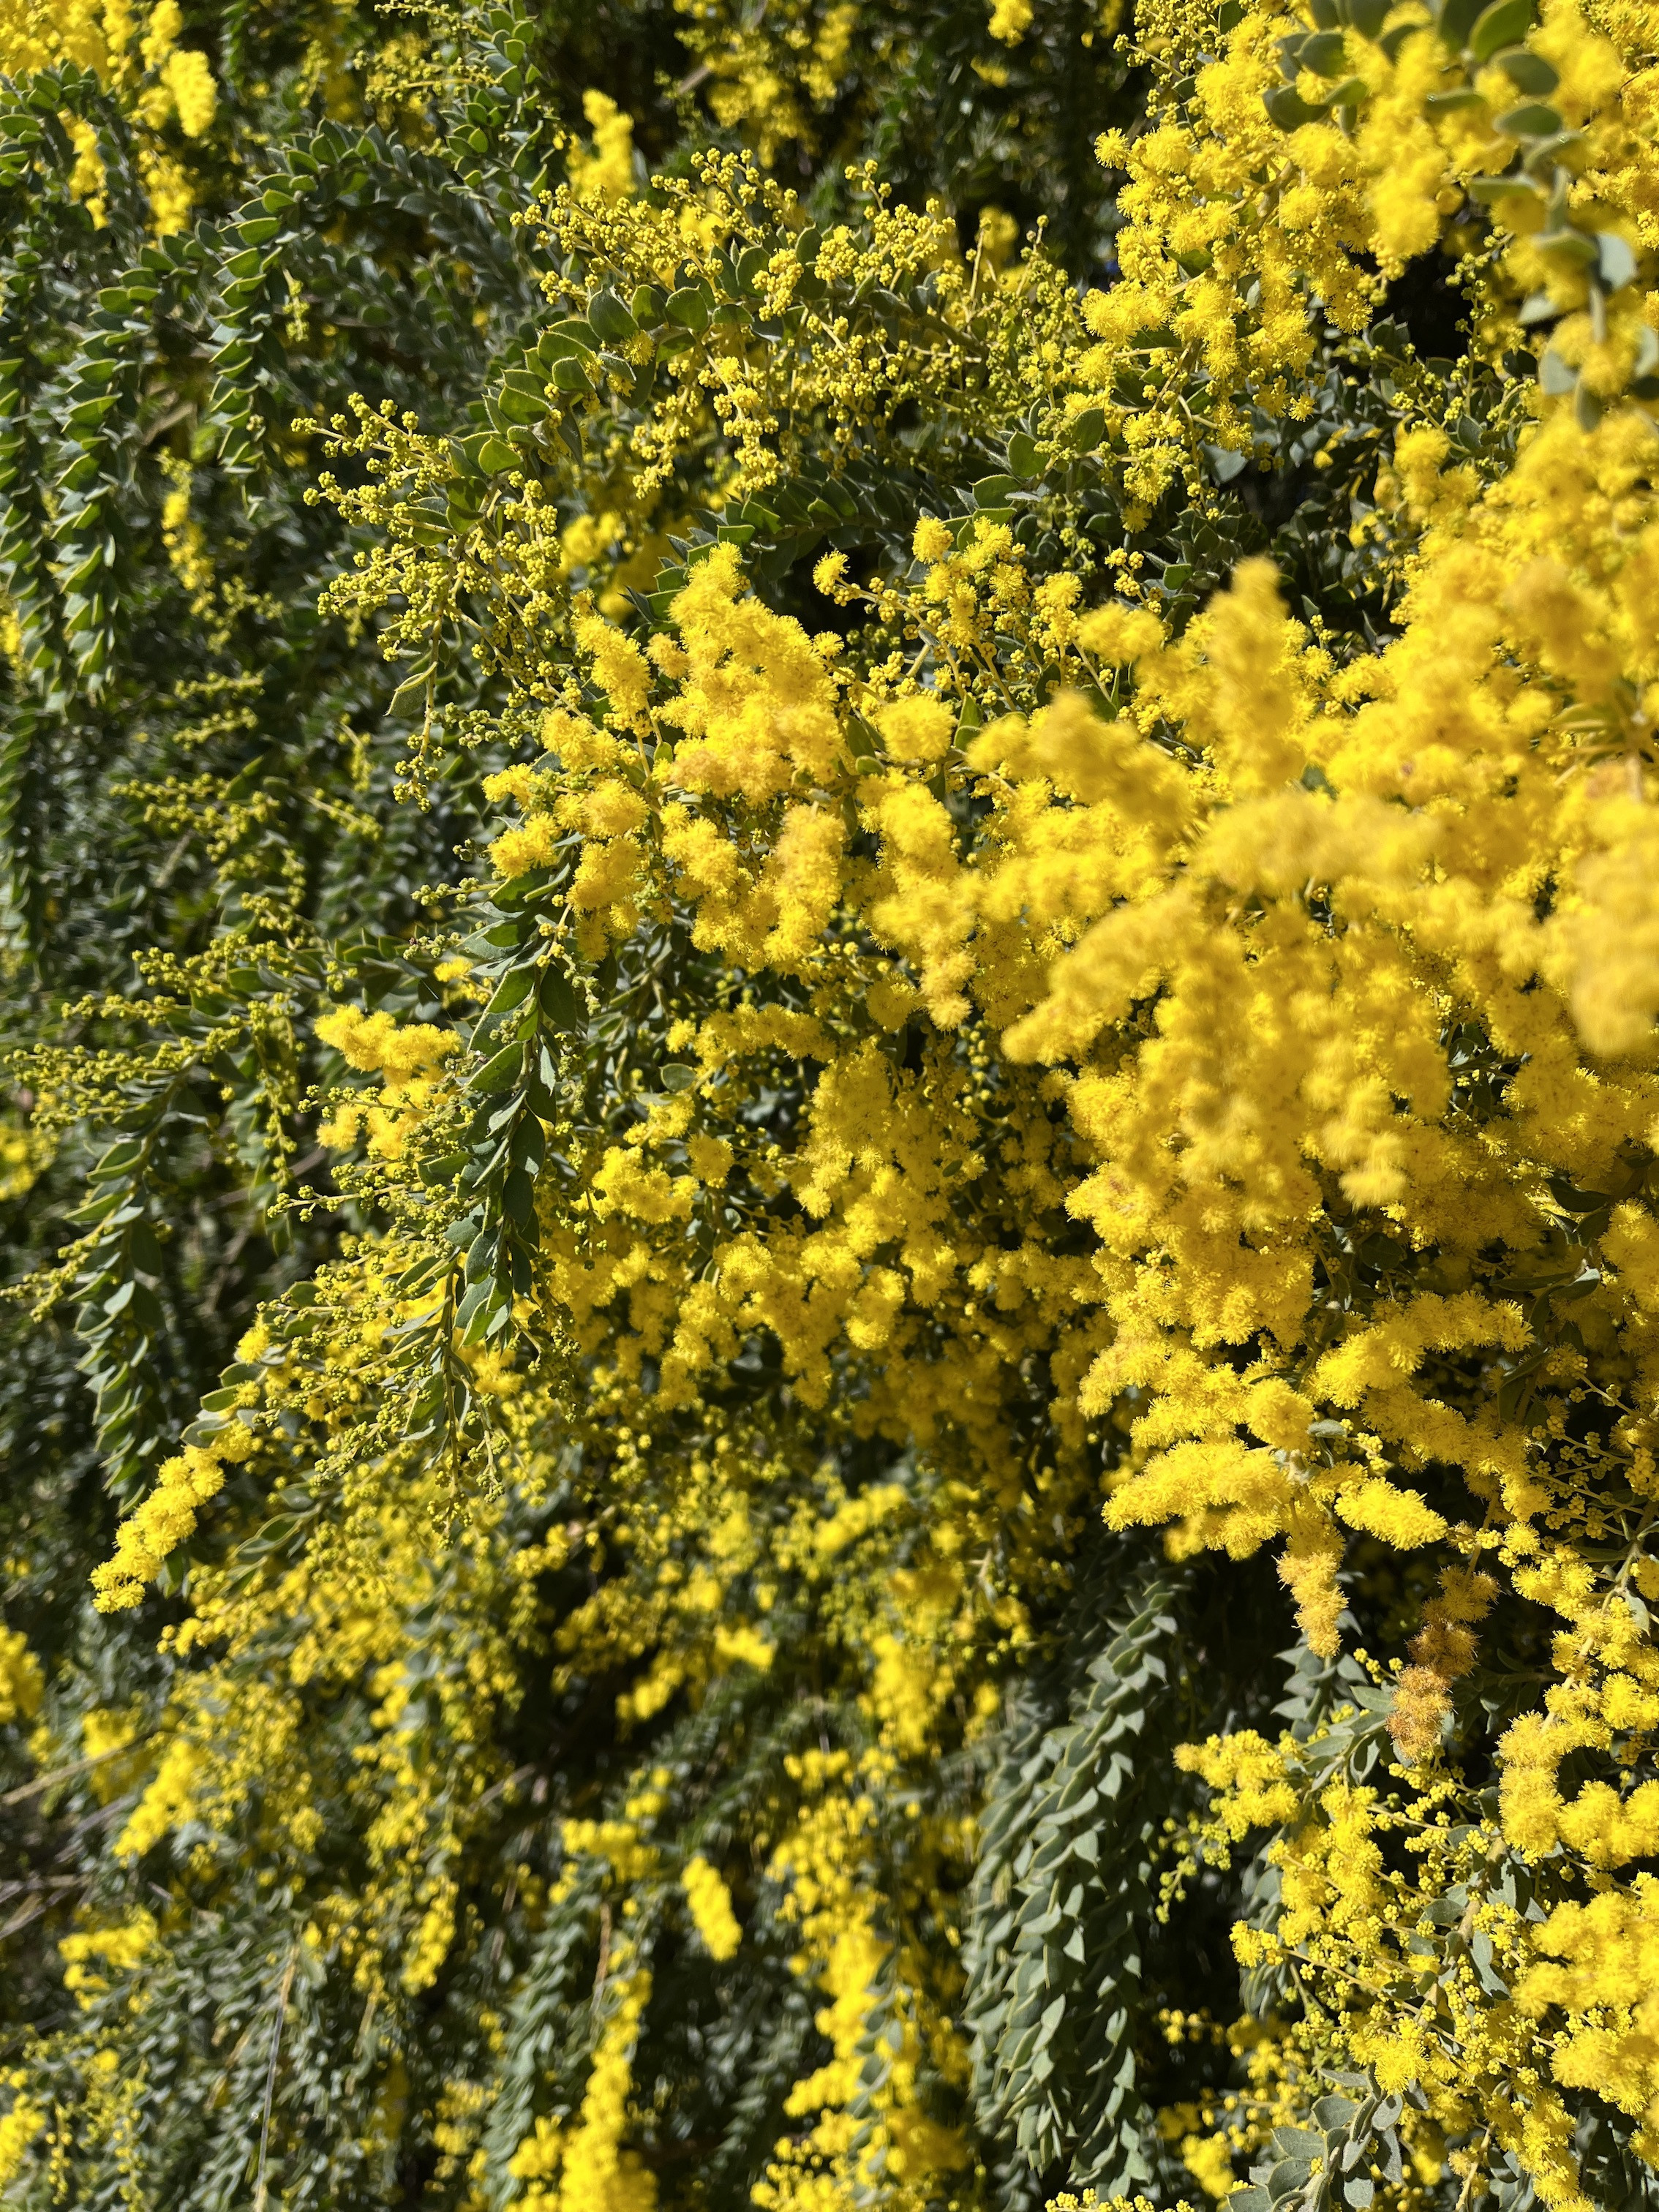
{"x": 1030, "y": 1084}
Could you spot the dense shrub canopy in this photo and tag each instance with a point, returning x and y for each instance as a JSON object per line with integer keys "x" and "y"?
{"x": 830, "y": 955}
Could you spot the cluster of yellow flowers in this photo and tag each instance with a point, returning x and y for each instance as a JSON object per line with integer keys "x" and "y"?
{"x": 160, "y": 84}
{"x": 1257, "y": 207}
{"x": 1239, "y": 919}
{"x": 586, "y": 2170}
{"x": 772, "y": 78}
